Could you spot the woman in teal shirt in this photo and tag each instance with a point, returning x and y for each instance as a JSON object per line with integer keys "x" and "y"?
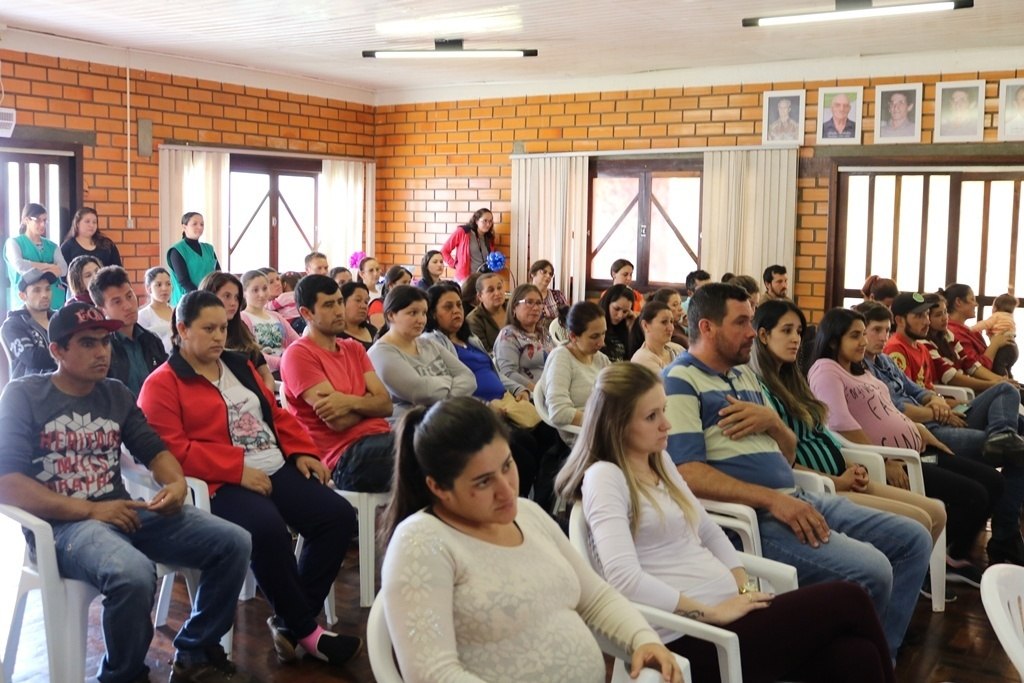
{"x": 190, "y": 260}
{"x": 30, "y": 249}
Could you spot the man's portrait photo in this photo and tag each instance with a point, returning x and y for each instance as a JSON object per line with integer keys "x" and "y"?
{"x": 1011, "y": 109}
{"x": 898, "y": 113}
{"x": 959, "y": 111}
{"x": 839, "y": 115}
{"x": 783, "y": 118}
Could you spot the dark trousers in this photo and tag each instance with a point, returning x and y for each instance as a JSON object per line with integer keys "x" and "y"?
{"x": 969, "y": 489}
{"x": 296, "y": 590}
{"x": 367, "y": 465}
{"x": 827, "y": 632}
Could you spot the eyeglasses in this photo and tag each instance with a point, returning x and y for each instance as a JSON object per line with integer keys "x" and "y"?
{"x": 530, "y": 302}
{"x": 38, "y": 219}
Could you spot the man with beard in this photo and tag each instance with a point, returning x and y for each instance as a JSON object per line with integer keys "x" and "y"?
{"x": 730, "y": 446}
{"x": 333, "y": 391}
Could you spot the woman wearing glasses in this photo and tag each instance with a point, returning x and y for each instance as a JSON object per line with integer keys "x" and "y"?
{"x": 30, "y": 249}
{"x": 523, "y": 344}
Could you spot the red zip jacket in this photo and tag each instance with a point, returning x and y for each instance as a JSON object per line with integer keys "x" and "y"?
{"x": 190, "y": 415}
{"x": 458, "y": 242}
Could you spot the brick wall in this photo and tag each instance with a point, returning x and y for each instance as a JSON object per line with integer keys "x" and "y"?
{"x": 436, "y": 162}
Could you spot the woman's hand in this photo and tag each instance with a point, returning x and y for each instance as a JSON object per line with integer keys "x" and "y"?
{"x": 256, "y": 480}
{"x": 855, "y": 479}
{"x": 895, "y": 475}
{"x": 658, "y": 657}
{"x": 523, "y": 395}
{"x": 310, "y": 467}
{"x": 930, "y": 439}
{"x": 725, "y": 613}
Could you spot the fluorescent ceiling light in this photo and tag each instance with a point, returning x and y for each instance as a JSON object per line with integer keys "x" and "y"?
{"x": 449, "y": 49}
{"x": 860, "y": 10}
{"x": 497, "y": 20}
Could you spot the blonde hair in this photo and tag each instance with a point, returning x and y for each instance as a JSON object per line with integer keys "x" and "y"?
{"x": 606, "y": 419}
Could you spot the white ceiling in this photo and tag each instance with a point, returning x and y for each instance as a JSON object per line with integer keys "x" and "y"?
{"x": 578, "y": 40}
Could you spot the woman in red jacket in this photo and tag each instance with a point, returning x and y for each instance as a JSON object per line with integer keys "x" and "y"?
{"x": 471, "y": 243}
{"x": 221, "y": 422}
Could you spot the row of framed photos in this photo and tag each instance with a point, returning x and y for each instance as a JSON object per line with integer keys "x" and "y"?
{"x": 959, "y": 113}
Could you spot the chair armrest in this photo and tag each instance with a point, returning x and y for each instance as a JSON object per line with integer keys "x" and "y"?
{"x": 810, "y": 481}
{"x": 911, "y": 458}
{"x": 42, "y": 533}
{"x": 873, "y": 462}
{"x": 741, "y": 519}
{"x": 200, "y": 493}
{"x": 959, "y": 393}
{"x": 781, "y": 576}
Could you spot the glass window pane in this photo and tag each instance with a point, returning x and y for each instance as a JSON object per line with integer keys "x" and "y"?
{"x": 611, "y": 197}
{"x": 249, "y": 222}
{"x": 679, "y": 197}
{"x": 13, "y": 217}
{"x": 33, "y": 183}
{"x": 908, "y": 266}
{"x": 882, "y": 232}
{"x": 972, "y": 199}
{"x": 1000, "y": 222}
{"x": 53, "y": 202}
{"x": 856, "y": 224}
{"x": 296, "y": 221}
{"x": 938, "y": 232}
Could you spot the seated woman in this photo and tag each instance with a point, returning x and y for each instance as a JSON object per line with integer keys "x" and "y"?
{"x": 523, "y": 345}
{"x": 674, "y": 300}
{"x": 651, "y": 337}
{"x": 962, "y": 305}
{"x": 395, "y": 276}
{"x": 542, "y": 273}
{"x": 487, "y": 319}
{"x": 571, "y": 370}
{"x": 415, "y": 371}
{"x": 780, "y": 326}
{"x": 356, "y": 298}
{"x": 156, "y": 316}
{"x": 970, "y": 373}
{"x": 272, "y": 332}
{"x": 880, "y": 289}
{"x": 617, "y": 305}
{"x": 431, "y": 270}
{"x": 228, "y": 289}
{"x": 480, "y": 585}
{"x": 211, "y": 409}
{"x": 80, "y": 272}
{"x": 861, "y": 410}
{"x": 658, "y": 546}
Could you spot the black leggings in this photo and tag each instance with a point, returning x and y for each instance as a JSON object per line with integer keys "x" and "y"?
{"x": 828, "y": 632}
{"x": 969, "y": 489}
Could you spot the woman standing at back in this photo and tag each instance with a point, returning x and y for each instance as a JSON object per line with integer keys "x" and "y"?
{"x": 30, "y": 249}
{"x": 190, "y": 260}
{"x": 467, "y": 247}
{"x": 85, "y": 239}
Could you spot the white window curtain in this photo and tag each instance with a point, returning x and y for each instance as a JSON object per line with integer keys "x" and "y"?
{"x": 192, "y": 180}
{"x": 549, "y": 218}
{"x": 749, "y": 211}
{"x": 346, "y": 209}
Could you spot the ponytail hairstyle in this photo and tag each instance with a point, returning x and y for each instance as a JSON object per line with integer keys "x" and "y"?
{"x": 30, "y": 211}
{"x": 606, "y": 420}
{"x": 362, "y": 262}
{"x": 427, "y": 278}
{"x": 952, "y": 292}
{"x": 650, "y": 311}
{"x": 878, "y": 288}
{"x": 189, "y": 308}
{"x": 185, "y": 218}
{"x": 435, "y": 442}
{"x": 394, "y": 274}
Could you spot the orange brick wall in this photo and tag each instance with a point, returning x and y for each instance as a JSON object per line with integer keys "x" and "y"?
{"x": 51, "y": 92}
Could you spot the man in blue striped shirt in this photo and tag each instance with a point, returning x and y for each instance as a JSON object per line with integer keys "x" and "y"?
{"x": 730, "y": 446}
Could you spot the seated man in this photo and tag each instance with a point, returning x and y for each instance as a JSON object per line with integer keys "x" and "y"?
{"x": 730, "y": 446}
{"x": 332, "y": 389}
{"x": 60, "y": 450}
{"x": 135, "y": 351}
{"x": 24, "y": 331}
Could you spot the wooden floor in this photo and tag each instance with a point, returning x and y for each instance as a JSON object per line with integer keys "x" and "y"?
{"x": 957, "y": 645}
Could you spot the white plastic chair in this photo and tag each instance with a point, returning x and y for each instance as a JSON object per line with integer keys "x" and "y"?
{"x": 873, "y": 459}
{"x": 959, "y": 393}
{"x": 65, "y": 601}
{"x": 1002, "y": 594}
{"x": 781, "y": 576}
{"x": 385, "y": 669}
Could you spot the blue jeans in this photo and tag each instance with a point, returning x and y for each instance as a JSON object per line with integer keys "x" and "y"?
{"x": 886, "y": 554}
{"x": 122, "y": 567}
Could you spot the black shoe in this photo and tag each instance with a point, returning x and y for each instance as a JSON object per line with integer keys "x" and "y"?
{"x": 336, "y": 649}
{"x": 965, "y": 573}
{"x": 284, "y": 640}
{"x": 926, "y": 590}
{"x": 216, "y": 669}
{"x": 1008, "y": 551}
{"x": 1004, "y": 448}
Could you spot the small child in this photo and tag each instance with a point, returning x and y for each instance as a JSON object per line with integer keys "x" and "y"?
{"x": 1001, "y": 323}
{"x": 284, "y": 303}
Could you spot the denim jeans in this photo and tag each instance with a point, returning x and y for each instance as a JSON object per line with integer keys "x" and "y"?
{"x": 122, "y": 567}
{"x": 886, "y": 554}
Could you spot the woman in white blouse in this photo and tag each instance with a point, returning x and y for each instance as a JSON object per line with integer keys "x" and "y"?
{"x": 657, "y": 545}
{"x": 651, "y": 336}
{"x": 481, "y": 585}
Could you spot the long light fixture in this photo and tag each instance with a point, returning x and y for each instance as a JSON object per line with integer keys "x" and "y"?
{"x": 859, "y": 9}
{"x": 448, "y": 49}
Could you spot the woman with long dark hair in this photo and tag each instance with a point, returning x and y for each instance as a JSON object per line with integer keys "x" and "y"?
{"x": 467, "y": 248}
{"x": 617, "y": 304}
{"x": 504, "y": 595}
{"x": 431, "y": 269}
{"x": 229, "y": 290}
{"x": 86, "y": 239}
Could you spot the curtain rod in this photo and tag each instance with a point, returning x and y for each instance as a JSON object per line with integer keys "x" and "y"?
{"x": 265, "y": 153}
{"x": 650, "y": 152}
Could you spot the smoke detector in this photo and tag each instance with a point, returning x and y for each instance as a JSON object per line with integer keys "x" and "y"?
{"x": 7, "y": 117}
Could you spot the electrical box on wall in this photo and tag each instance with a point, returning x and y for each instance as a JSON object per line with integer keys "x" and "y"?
{"x": 7, "y": 117}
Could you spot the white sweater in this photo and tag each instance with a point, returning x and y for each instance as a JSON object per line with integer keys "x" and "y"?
{"x": 461, "y": 610}
{"x": 566, "y": 384}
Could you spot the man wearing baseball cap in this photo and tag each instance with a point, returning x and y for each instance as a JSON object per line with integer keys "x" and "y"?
{"x": 60, "y": 450}
{"x": 24, "y": 330}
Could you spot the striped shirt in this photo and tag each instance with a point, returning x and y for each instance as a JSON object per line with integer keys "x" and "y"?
{"x": 696, "y": 394}
{"x": 816, "y": 448}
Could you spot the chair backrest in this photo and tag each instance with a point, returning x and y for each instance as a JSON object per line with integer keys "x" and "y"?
{"x": 579, "y": 534}
{"x": 378, "y": 645}
{"x": 1002, "y": 594}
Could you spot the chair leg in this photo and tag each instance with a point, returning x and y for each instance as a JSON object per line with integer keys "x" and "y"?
{"x": 937, "y": 568}
{"x": 367, "y": 549}
{"x": 163, "y": 600}
{"x": 75, "y": 629}
{"x": 14, "y": 632}
{"x": 248, "y": 588}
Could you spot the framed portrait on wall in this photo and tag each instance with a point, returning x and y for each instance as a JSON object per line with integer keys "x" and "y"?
{"x": 959, "y": 111}
{"x": 839, "y": 115}
{"x": 897, "y": 113}
{"x": 1011, "y": 109}
{"x": 782, "y": 123}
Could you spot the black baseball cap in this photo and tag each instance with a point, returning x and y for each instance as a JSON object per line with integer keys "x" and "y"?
{"x": 34, "y": 275}
{"x": 79, "y": 316}
{"x": 908, "y": 303}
